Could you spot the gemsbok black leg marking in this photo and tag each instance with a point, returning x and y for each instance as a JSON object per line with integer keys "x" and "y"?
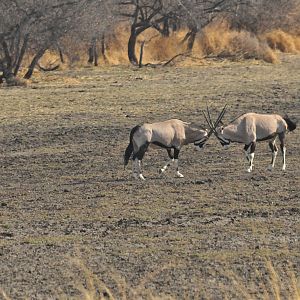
{"x": 168, "y": 164}
{"x": 283, "y": 149}
{"x": 251, "y": 156}
{"x": 246, "y": 148}
{"x": 176, "y": 156}
{"x": 274, "y": 150}
{"x": 141, "y": 152}
{"x": 137, "y": 159}
{"x": 170, "y": 153}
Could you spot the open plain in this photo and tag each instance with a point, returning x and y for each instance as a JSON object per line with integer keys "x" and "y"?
{"x": 71, "y": 217}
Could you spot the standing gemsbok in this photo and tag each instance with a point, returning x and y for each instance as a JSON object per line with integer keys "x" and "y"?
{"x": 251, "y": 128}
{"x": 170, "y": 134}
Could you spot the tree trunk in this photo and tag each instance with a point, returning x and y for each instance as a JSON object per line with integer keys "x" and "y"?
{"x": 8, "y": 59}
{"x": 131, "y": 48}
{"x": 34, "y": 61}
{"x": 61, "y": 55}
{"x": 93, "y": 55}
{"x": 9, "y": 76}
{"x": 191, "y": 40}
{"x": 166, "y": 28}
{"x": 103, "y": 47}
{"x": 141, "y": 54}
{"x": 90, "y": 54}
{"x": 192, "y": 36}
{"x": 6, "y": 66}
{"x": 21, "y": 55}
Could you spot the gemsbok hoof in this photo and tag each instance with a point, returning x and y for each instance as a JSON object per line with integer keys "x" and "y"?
{"x": 141, "y": 177}
{"x": 179, "y": 175}
{"x": 160, "y": 171}
{"x": 270, "y": 168}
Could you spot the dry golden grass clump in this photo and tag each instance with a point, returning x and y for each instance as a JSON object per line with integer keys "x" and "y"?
{"x": 219, "y": 40}
{"x": 116, "y": 46}
{"x": 159, "y": 48}
{"x": 283, "y": 41}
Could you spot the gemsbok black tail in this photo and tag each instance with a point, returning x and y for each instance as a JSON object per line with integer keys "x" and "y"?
{"x": 129, "y": 148}
{"x": 291, "y": 125}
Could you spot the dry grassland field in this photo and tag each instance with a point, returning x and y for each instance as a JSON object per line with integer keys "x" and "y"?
{"x": 75, "y": 224}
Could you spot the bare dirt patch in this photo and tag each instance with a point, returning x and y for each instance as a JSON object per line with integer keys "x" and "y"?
{"x": 64, "y": 191}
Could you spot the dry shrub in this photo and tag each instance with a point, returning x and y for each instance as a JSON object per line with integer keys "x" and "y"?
{"x": 283, "y": 41}
{"x": 159, "y": 48}
{"x": 75, "y": 52}
{"x": 50, "y": 59}
{"x": 116, "y": 46}
{"x": 217, "y": 39}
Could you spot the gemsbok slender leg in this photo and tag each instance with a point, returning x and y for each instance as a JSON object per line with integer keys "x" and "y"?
{"x": 176, "y": 155}
{"x": 140, "y": 170}
{"x": 171, "y": 160}
{"x": 134, "y": 169}
{"x": 138, "y": 158}
{"x": 251, "y": 156}
{"x": 274, "y": 150}
{"x": 283, "y": 149}
{"x": 246, "y": 149}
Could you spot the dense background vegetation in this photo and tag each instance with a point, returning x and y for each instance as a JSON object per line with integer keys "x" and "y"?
{"x": 116, "y": 31}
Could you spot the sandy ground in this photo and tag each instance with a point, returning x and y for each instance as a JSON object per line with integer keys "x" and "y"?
{"x": 218, "y": 232}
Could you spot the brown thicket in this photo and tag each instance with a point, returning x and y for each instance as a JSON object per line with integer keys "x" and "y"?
{"x": 52, "y": 34}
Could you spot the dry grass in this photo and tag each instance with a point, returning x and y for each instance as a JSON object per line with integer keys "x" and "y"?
{"x": 63, "y": 183}
{"x": 268, "y": 283}
{"x": 283, "y": 41}
{"x": 216, "y": 40}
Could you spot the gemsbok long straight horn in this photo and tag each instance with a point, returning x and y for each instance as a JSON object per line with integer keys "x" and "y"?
{"x": 171, "y": 135}
{"x": 251, "y": 128}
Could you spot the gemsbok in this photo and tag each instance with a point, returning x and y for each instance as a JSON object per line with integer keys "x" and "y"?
{"x": 251, "y": 128}
{"x": 170, "y": 134}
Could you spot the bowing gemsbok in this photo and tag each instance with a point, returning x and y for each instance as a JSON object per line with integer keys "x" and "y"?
{"x": 170, "y": 134}
{"x": 251, "y": 128}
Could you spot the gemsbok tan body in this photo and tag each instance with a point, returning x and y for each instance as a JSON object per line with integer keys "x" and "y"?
{"x": 251, "y": 128}
{"x": 171, "y": 135}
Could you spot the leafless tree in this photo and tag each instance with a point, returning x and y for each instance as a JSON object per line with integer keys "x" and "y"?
{"x": 144, "y": 14}
{"x": 262, "y": 15}
{"x": 33, "y": 26}
{"x": 160, "y": 14}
